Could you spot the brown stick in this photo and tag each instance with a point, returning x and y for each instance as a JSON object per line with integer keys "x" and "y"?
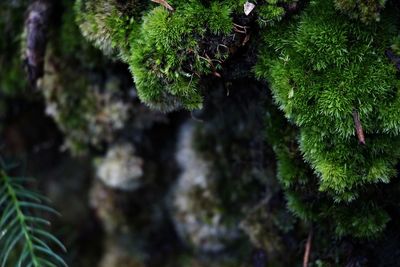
{"x": 307, "y": 250}
{"x": 164, "y": 3}
{"x": 358, "y": 126}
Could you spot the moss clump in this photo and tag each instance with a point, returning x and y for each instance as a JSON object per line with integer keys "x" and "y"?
{"x": 109, "y": 23}
{"x": 366, "y": 11}
{"x": 304, "y": 81}
{"x": 322, "y": 67}
{"x": 365, "y": 217}
{"x": 170, "y": 56}
{"x": 168, "y": 52}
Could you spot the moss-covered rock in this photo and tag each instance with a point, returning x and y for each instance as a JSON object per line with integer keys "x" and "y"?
{"x": 120, "y": 168}
{"x": 88, "y": 114}
{"x": 196, "y": 208}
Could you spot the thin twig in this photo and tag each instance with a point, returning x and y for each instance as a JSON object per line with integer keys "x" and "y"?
{"x": 358, "y": 126}
{"x": 307, "y": 250}
{"x": 239, "y": 28}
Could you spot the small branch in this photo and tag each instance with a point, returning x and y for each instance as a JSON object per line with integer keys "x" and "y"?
{"x": 246, "y": 39}
{"x": 358, "y": 126}
{"x": 210, "y": 62}
{"x": 307, "y": 250}
{"x": 164, "y": 3}
{"x": 239, "y": 28}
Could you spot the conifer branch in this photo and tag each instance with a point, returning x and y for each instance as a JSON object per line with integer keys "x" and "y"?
{"x": 21, "y": 232}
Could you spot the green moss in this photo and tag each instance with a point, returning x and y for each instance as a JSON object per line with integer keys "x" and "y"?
{"x": 305, "y": 84}
{"x": 109, "y": 24}
{"x": 273, "y": 11}
{"x": 168, "y": 52}
{"x": 168, "y": 58}
{"x": 157, "y": 59}
{"x": 361, "y": 218}
{"x": 321, "y": 67}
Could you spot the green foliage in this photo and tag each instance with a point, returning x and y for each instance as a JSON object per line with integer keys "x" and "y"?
{"x": 273, "y": 11}
{"x": 321, "y": 68}
{"x": 24, "y": 234}
{"x": 366, "y": 11}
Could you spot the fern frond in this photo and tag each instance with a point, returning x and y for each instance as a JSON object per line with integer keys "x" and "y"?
{"x": 23, "y": 234}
